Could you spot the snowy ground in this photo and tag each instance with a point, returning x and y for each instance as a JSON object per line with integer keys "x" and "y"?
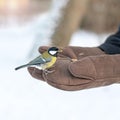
{"x": 24, "y": 98}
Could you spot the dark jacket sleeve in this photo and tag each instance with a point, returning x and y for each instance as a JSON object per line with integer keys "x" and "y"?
{"x": 112, "y": 44}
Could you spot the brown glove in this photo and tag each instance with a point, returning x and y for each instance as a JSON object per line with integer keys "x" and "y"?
{"x": 76, "y": 52}
{"x": 88, "y": 72}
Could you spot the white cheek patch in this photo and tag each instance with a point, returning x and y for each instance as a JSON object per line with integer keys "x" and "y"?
{"x": 52, "y": 52}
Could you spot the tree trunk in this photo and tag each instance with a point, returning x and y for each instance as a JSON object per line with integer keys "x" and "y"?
{"x": 69, "y": 22}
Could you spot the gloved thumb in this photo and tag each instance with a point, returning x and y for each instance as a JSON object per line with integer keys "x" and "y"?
{"x": 83, "y": 68}
{"x": 98, "y": 68}
{"x": 43, "y": 49}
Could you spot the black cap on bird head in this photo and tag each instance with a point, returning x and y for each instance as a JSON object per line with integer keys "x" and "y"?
{"x": 53, "y": 51}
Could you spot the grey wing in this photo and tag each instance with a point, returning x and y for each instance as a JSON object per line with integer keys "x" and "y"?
{"x": 39, "y": 60}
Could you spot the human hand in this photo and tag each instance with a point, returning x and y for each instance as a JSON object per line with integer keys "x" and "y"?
{"x": 75, "y": 52}
{"x": 88, "y": 72}
{"x": 61, "y": 77}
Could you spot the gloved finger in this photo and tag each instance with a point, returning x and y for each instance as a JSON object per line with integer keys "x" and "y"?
{"x": 67, "y": 52}
{"x": 43, "y": 49}
{"x": 36, "y": 73}
{"x": 92, "y": 84}
{"x": 73, "y": 87}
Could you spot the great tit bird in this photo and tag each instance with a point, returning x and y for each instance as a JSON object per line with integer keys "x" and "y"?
{"x": 46, "y": 60}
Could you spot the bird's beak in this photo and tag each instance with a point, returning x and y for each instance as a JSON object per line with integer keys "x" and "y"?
{"x": 60, "y": 50}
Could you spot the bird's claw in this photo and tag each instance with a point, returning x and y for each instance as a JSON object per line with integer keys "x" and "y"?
{"x": 48, "y": 71}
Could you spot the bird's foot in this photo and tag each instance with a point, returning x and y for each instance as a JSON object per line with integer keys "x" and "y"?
{"x": 48, "y": 71}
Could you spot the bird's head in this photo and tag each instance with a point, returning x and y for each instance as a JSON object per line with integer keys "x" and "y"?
{"x": 54, "y": 51}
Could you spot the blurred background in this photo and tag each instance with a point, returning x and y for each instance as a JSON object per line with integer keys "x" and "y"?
{"x": 103, "y": 13}
{"x": 27, "y": 24}
{"x": 21, "y": 10}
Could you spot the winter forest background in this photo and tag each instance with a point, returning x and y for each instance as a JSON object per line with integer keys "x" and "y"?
{"x": 27, "y": 24}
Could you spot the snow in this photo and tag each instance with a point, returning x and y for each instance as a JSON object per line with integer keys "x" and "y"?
{"x": 23, "y": 97}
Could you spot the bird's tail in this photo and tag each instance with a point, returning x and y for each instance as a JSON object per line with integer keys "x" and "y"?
{"x": 22, "y": 66}
{"x": 37, "y": 61}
